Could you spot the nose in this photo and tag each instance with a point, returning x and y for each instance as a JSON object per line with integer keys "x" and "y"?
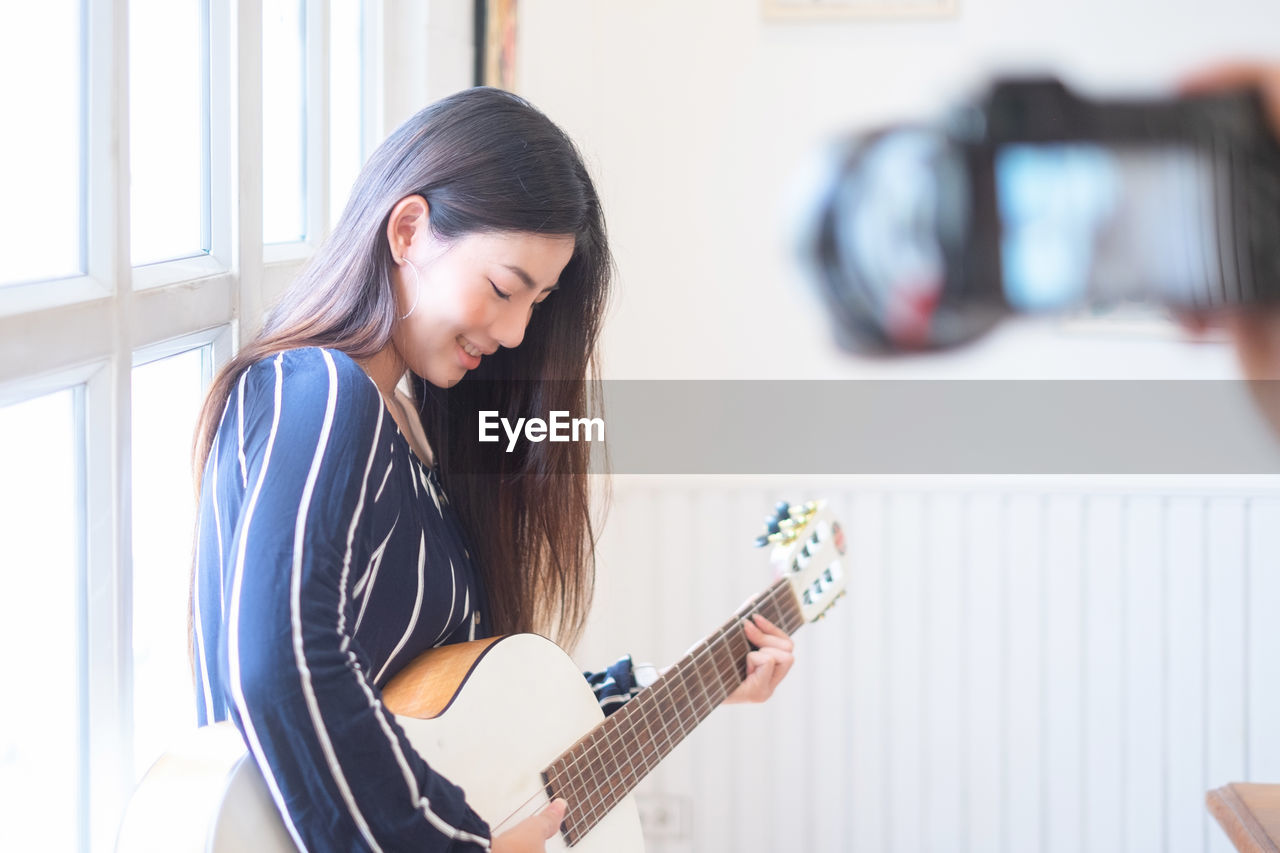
{"x": 508, "y": 328}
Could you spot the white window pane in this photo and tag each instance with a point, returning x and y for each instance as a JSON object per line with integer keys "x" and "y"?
{"x": 167, "y": 121}
{"x": 345, "y": 102}
{"x": 40, "y": 622}
{"x": 166, "y": 401}
{"x": 283, "y": 121}
{"x": 41, "y": 148}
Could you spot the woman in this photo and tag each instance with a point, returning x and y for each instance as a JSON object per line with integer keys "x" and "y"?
{"x": 345, "y": 528}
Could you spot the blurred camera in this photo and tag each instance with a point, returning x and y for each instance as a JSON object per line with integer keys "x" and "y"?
{"x": 1031, "y": 199}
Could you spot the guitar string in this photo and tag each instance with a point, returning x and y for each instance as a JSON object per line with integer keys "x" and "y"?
{"x": 516, "y": 812}
{"x": 704, "y": 652}
{"x": 599, "y": 806}
{"x": 699, "y": 655}
{"x": 589, "y": 784}
{"x": 601, "y": 800}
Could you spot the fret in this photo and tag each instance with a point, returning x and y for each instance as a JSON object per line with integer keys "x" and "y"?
{"x": 730, "y": 670}
{"x": 696, "y": 683}
{"x": 678, "y": 719}
{"x": 580, "y": 768}
{"x": 708, "y": 670}
{"x": 737, "y": 647}
{"x": 598, "y": 779}
{"x": 631, "y": 745}
{"x": 671, "y": 733}
{"x": 671, "y": 710}
{"x": 551, "y": 783}
{"x": 705, "y": 670}
{"x": 606, "y": 765}
{"x": 667, "y": 714}
{"x": 588, "y": 777}
{"x": 589, "y": 806}
{"x": 648, "y": 729}
{"x": 699, "y": 699}
{"x": 688, "y": 713}
{"x": 769, "y": 609}
{"x": 561, "y": 784}
{"x": 559, "y": 780}
{"x": 624, "y": 743}
{"x": 651, "y": 717}
{"x": 709, "y": 678}
{"x": 787, "y": 607}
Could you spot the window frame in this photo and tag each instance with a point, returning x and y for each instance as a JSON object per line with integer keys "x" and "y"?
{"x": 87, "y": 332}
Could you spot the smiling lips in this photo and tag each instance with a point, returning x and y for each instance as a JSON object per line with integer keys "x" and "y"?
{"x": 470, "y": 356}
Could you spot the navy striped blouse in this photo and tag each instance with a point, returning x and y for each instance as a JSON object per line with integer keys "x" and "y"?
{"x": 314, "y": 516}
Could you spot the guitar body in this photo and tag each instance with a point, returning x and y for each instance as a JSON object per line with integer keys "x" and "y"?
{"x": 492, "y": 715}
{"x": 489, "y": 716}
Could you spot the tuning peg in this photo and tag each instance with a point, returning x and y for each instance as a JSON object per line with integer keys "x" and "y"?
{"x": 782, "y": 510}
{"x": 771, "y": 524}
{"x": 762, "y": 540}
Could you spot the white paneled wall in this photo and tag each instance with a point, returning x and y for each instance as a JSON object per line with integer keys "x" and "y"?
{"x": 1059, "y": 666}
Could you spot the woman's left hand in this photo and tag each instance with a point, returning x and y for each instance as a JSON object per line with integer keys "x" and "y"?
{"x": 768, "y": 664}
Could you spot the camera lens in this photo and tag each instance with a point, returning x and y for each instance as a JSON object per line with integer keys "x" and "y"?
{"x": 887, "y": 243}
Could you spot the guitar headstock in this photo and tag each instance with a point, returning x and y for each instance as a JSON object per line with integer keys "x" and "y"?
{"x": 808, "y": 549}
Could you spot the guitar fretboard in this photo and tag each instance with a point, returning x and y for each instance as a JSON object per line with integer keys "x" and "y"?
{"x": 606, "y": 765}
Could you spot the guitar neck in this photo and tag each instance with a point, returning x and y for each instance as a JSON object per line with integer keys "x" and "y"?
{"x": 606, "y": 765}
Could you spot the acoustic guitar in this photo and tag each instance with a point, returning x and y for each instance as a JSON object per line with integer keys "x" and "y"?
{"x": 511, "y": 759}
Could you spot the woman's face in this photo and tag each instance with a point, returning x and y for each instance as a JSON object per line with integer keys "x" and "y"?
{"x": 471, "y": 296}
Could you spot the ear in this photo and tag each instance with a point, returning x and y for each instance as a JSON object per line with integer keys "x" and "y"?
{"x": 409, "y": 222}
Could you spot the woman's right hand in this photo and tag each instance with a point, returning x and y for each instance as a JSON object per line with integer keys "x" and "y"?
{"x": 530, "y": 835}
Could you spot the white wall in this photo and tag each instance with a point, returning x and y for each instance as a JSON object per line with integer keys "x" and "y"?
{"x": 694, "y": 117}
{"x": 1018, "y": 666}
{"x": 426, "y": 51}
{"x": 696, "y": 114}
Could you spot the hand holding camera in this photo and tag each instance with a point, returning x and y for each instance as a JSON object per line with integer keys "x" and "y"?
{"x": 1033, "y": 200}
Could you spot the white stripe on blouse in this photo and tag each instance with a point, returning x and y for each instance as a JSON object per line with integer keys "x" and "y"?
{"x": 295, "y": 614}
{"x": 233, "y": 636}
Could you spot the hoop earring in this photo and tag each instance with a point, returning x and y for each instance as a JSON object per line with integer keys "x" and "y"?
{"x": 417, "y": 280}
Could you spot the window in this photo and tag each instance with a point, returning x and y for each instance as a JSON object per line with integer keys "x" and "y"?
{"x": 166, "y": 396}
{"x": 284, "y": 149}
{"x": 144, "y": 196}
{"x": 168, "y": 129}
{"x": 41, "y": 161}
{"x": 346, "y": 87}
{"x": 41, "y": 739}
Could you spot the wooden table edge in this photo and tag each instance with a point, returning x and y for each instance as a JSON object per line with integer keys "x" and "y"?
{"x": 1239, "y": 823}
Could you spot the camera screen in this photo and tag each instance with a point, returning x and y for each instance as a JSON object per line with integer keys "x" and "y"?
{"x": 1108, "y": 222}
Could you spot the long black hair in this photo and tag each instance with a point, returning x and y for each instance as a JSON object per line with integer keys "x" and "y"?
{"x": 485, "y": 160}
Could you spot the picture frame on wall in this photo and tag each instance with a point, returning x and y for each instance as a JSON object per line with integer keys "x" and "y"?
{"x": 496, "y": 39}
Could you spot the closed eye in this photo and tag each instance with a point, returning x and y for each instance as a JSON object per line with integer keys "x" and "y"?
{"x": 502, "y": 294}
